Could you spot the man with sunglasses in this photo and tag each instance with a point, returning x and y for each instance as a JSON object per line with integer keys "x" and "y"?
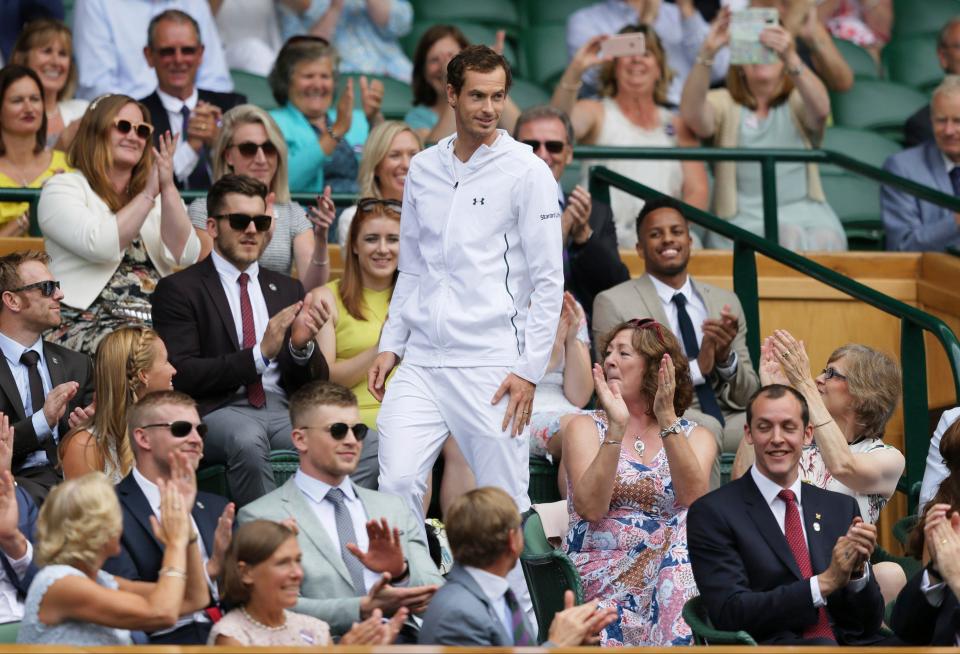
{"x": 41, "y": 384}
{"x": 362, "y": 549}
{"x": 241, "y": 337}
{"x": 166, "y": 436}
{"x": 591, "y": 262}
{"x": 174, "y": 51}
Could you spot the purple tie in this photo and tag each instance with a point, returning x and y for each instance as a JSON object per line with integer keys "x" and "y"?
{"x": 518, "y": 625}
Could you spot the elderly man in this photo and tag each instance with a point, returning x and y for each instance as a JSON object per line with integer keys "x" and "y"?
{"x": 919, "y": 126}
{"x": 913, "y": 224}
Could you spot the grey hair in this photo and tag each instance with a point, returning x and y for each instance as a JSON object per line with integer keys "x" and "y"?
{"x": 174, "y": 16}
{"x": 293, "y": 54}
{"x": 945, "y": 32}
{"x": 545, "y": 112}
{"x": 950, "y": 84}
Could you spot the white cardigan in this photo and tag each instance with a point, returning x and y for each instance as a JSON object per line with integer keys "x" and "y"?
{"x": 82, "y": 238}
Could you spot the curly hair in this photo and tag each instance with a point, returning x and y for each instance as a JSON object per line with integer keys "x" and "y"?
{"x": 78, "y": 518}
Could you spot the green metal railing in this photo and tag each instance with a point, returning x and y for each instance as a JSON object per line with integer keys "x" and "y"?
{"x": 913, "y": 321}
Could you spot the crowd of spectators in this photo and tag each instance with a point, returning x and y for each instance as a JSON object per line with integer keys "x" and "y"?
{"x": 153, "y": 335}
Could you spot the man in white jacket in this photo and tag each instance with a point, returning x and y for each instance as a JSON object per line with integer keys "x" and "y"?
{"x": 477, "y": 302}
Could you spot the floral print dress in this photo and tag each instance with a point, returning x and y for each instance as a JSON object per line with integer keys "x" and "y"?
{"x": 635, "y": 558}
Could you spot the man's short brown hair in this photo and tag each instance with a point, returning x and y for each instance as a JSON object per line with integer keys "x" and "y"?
{"x": 10, "y": 267}
{"x": 478, "y": 58}
{"x": 479, "y": 524}
{"x": 142, "y": 412}
{"x": 318, "y": 393}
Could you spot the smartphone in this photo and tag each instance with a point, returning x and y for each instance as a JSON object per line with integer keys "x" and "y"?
{"x": 624, "y": 45}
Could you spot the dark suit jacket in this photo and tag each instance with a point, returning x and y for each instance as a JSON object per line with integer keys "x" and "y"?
{"x": 27, "y": 524}
{"x": 595, "y": 266}
{"x": 918, "y": 128}
{"x": 918, "y": 623}
{"x": 64, "y": 365}
{"x": 161, "y": 122}
{"x": 748, "y": 577}
{"x": 192, "y": 316}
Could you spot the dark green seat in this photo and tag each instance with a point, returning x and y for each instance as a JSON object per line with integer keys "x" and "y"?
{"x": 283, "y": 463}
{"x": 397, "y": 95}
{"x": 856, "y": 201}
{"x": 915, "y": 17}
{"x": 499, "y": 14}
{"x": 695, "y": 615}
{"x": 903, "y": 527}
{"x": 9, "y": 631}
{"x": 860, "y": 61}
{"x": 254, "y": 87}
{"x": 877, "y": 105}
{"x": 528, "y": 94}
{"x": 867, "y": 146}
{"x": 543, "y": 481}
{"x": 475, "y": 33}
{"x": 913, "y": 61}
{"x": 556, "y": 12}
{"x": 549, "y": 573}
{"x": 546, "y": 53}
{"x": 213, "y": 479}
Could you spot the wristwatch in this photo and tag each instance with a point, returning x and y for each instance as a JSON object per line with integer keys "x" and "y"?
{"x": 672, "y": 429}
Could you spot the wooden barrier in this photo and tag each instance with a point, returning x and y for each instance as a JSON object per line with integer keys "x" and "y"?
{"x": 426, "y": 649}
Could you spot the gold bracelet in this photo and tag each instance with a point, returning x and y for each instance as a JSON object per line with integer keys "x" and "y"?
{"x": 173, "y": 572}
{"x": 320, "y": 263}
{"x": 823, "y": 423}
{"x": 609, "y": 442}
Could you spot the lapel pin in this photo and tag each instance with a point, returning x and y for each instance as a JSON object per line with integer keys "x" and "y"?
{"x": 200, "y": 506}
{"x": 55, "y": 360}
{"x": 272, "y": 286}
{"x": 816, "y": 526}
{"x": 817, "y": 516}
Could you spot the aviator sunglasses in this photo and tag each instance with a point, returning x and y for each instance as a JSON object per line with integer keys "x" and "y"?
{"x": 240, "y": 221}
{"x": 180, "y": 428}
{"x": 142, "y": 130}
{"x": 47, "y": 287}
{"x": 553, "y": 147}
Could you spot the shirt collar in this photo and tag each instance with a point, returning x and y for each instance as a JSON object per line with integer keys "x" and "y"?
{"x": 150, "y": 490}
{"x": 317, "y": 490}
{"x": 493, "y": 586}
{"x": 227, "y": 269}
{"x": 770, "y": 489}
{"x": 666, "y": 292}
{"x": 173, "y": 105}
{"x": 12, "y": 350}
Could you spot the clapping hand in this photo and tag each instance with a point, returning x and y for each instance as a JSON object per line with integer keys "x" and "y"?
{"x": 163, "y": 154}
{"x": 610, "y": 399}
{"x": 579, "y": 625}
{"x": 770, "y": 370}
{"x": 371, "y": 98}
{"x": 344, "y": 110}
{"x": 576, "y": 215}
{"x": 374, "y": 631}
{"x": 184, "y": 477}
{"x": 793, "y": 358}
{"x": 942, "y": 536}
{"x": 721, "y": 331}
{"x": 385, "y": 552}
{"x": 322, "y": 215}
{"x": 6, "y": 442}
{"x": 663, "y": 407}
{"x": 863, "y": 537}
{"x": 221, "y": 541}
{"x": 81, "y": 414}
{"x": 174, "y": 527}
{"x": 313, "y": 313}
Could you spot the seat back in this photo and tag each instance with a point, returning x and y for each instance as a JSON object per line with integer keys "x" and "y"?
{"x": 543, "y": 481}
{"x": 551, "y": 12}
{"x": 924, "y": 17}
{"x": 695, "y": 615}
{"x": 9, "y": 631}
{"x": 283, "y": 463}
{"x": 913, "y": 61}
{"x": 213, "y": 479}
{"x": 255, "y": 87}
{"x": 877, "y": 105}
{"x": 498, "y": 14}
{"x": 546, "y": 54}
{"x": 528, "y": 94}
{"x": 860, "y": 61}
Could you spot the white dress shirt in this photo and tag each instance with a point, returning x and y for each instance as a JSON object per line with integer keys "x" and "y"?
{"x": 495, "y": 588}
{"x": 185, "y": 158}
{"x": 770, "y": 489}
{"x": 11, "y": 608}
{"x": 12, "y": 351}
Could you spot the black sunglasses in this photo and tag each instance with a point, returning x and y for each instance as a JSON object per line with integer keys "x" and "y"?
{"x": 185, "y": 50}
{"x": 553, "y": 147}
{"x": 367, "y": 204}
{"x": 47, "y": 287}
{"x": 143, "y": 130}
{"x": 249, "y": 149}
{"x": 339, "y": 430}
{"x": 180, "y": 428}
{"x": 830, "y": 372}
{"x": 240, "y": 221}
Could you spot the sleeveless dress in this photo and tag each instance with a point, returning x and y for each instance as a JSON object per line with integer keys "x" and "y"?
{"x": 635, "y": 558}
{"x": 32, "y": 631}
{"x": 355, "y": 336}
{"x": 664, "y": 176}
{"x": 805, "y": 224}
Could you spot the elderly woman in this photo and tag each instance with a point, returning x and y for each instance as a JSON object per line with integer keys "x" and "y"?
{"x": 24, "y": 162}
{"x": 250, "y": 143}
{"x": 115, "y": 226}
{"x": 46, "y": 46}
{"x": 261, "y": 577}
{"x": 324, "y": 141}
{"x": 776, "y": 105}
{"x": 632, "y": 112}
{"x": 73, "y": 602}
{"x": 633, "y": 469}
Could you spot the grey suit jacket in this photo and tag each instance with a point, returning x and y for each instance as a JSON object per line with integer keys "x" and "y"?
{"x": 460, "y": 614}
{"x": 327, "y": 592}
{"x": 637, "y": 298}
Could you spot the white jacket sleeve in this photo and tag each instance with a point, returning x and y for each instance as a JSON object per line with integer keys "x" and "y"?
{"x": 66, "y": 217}
{"x": 542, "y": 246}
{"x": 936, "y": 470}
{"x": 395, "y": 333}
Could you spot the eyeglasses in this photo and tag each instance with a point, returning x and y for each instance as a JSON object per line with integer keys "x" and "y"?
{"x": 249, "y": 149}
{"x": 830, "y": 372}
{"x": 339, "y": 430}
{"x": 240, "y": 221}
{"x": 47, "y": 287}
{"x": 143, "y": 130}
{"x": 367, "y": 204}
{"x": 180, "y": 428}
{"x": 553, "y": 147}
{"x": 648, "y": 323}
{"x": 185, "y": 50}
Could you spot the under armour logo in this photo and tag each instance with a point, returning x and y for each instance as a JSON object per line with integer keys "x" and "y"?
{"x": 475, "y": 201}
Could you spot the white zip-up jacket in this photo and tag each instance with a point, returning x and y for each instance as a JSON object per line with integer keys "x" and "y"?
{"x": 481, "y": 269}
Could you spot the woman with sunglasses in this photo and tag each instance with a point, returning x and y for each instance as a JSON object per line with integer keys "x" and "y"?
{"x": 130, "y": 363}
{"x": 115, "y": 226}
{"x": 633, "y": 469}
{"x": 250, "y": 143}
{"x": 632, "y": 111}
{"x": 24, "y": 160}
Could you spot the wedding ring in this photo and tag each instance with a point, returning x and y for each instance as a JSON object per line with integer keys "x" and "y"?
{"x": 786, "y": 355}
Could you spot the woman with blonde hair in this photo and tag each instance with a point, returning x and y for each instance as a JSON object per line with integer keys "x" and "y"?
{"x": 250, "y": 143}
{"x": 46, "y": 46}
{"x": 130, "y": 363}
{"x": 72, "y": 601}
{"x": 116, "y": 225}
{"x": 383, "y": 168}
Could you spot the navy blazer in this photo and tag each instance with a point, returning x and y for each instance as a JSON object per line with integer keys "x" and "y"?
{"x": 27, "y": 523}
{"x": 749, "y": 579}
{"x": 914, "y": 225}
{"x": 141, "y": 554}
{"x": 918, "y": 623}
{"x": 593, "y": 267}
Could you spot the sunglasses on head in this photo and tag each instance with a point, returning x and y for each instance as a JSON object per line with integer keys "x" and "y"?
{"x": 249, "y": 149}
{"x": 339, "y": 430}
{"x": 185, "y": 50}
{"x": 142, "y": 130}
{"x": 830, "y": 372}
{"x": 47, "y": 287}
{"x": 180, "y": 428}
{"x": 648, "y": 323}
{"x": 553, "y": 147}
{"x": 240, "y": 221}
{"x": 368, "y": 204}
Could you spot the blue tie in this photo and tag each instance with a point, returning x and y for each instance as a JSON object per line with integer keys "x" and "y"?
{"x": 955, "y": 179}
{"x": 705, "y": 394}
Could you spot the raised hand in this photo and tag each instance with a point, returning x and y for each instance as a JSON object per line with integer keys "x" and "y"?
{"x": 863, "y": 537}
{"x": 663, "y": 407}
{"x": 221, "y": 541}
{"x": 322, "y": 215}
{"x": 770, "y": 370}
{"x": 371, "y": 98}
{"x": 793, "y": 358}
{"x": 576, "y": 215}
{"x": 313, "y": 313}
{"x": 390, "y": 599}
{"x": 174, "y": 527}
{"x": 779, "y": 40}
{"x": 520, "y": 404}
{"x": 277, "y": 327}
{"x": 183, "y": 477}
{"x": 55, "y": 404}
{"x": 499, "y": 41}
{"x": 344, "y": 110}
{"x": 588, "y": 55}
{"x": 6, "y": 442}
{"x": 722, "y": 331}
{"x": 382, "y": 366}
{"x": 12, "y": 542}
{"x": 944, "y": 537}
{"x": 163, "y": 154}
{"x": 385, "y": 552}
{"x": 579, "y": 625}
{"x": 611, "y": 401}
{"x": 718, "y": 35}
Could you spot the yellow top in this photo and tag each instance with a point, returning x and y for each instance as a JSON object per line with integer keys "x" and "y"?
{"x": 356, "y": 336}
{"x": 12, "y": 210}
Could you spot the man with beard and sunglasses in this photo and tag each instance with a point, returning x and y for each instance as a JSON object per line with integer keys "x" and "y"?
{"x": 41, "y": 384}
{"x": 707, "y": 320}
{"x": 241, "y": 337}
{"x": 363, "y": 550}
{"x": 166, "y": 436}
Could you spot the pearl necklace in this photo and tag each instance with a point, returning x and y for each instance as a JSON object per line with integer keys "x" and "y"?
{"x": 257, "y": 623}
